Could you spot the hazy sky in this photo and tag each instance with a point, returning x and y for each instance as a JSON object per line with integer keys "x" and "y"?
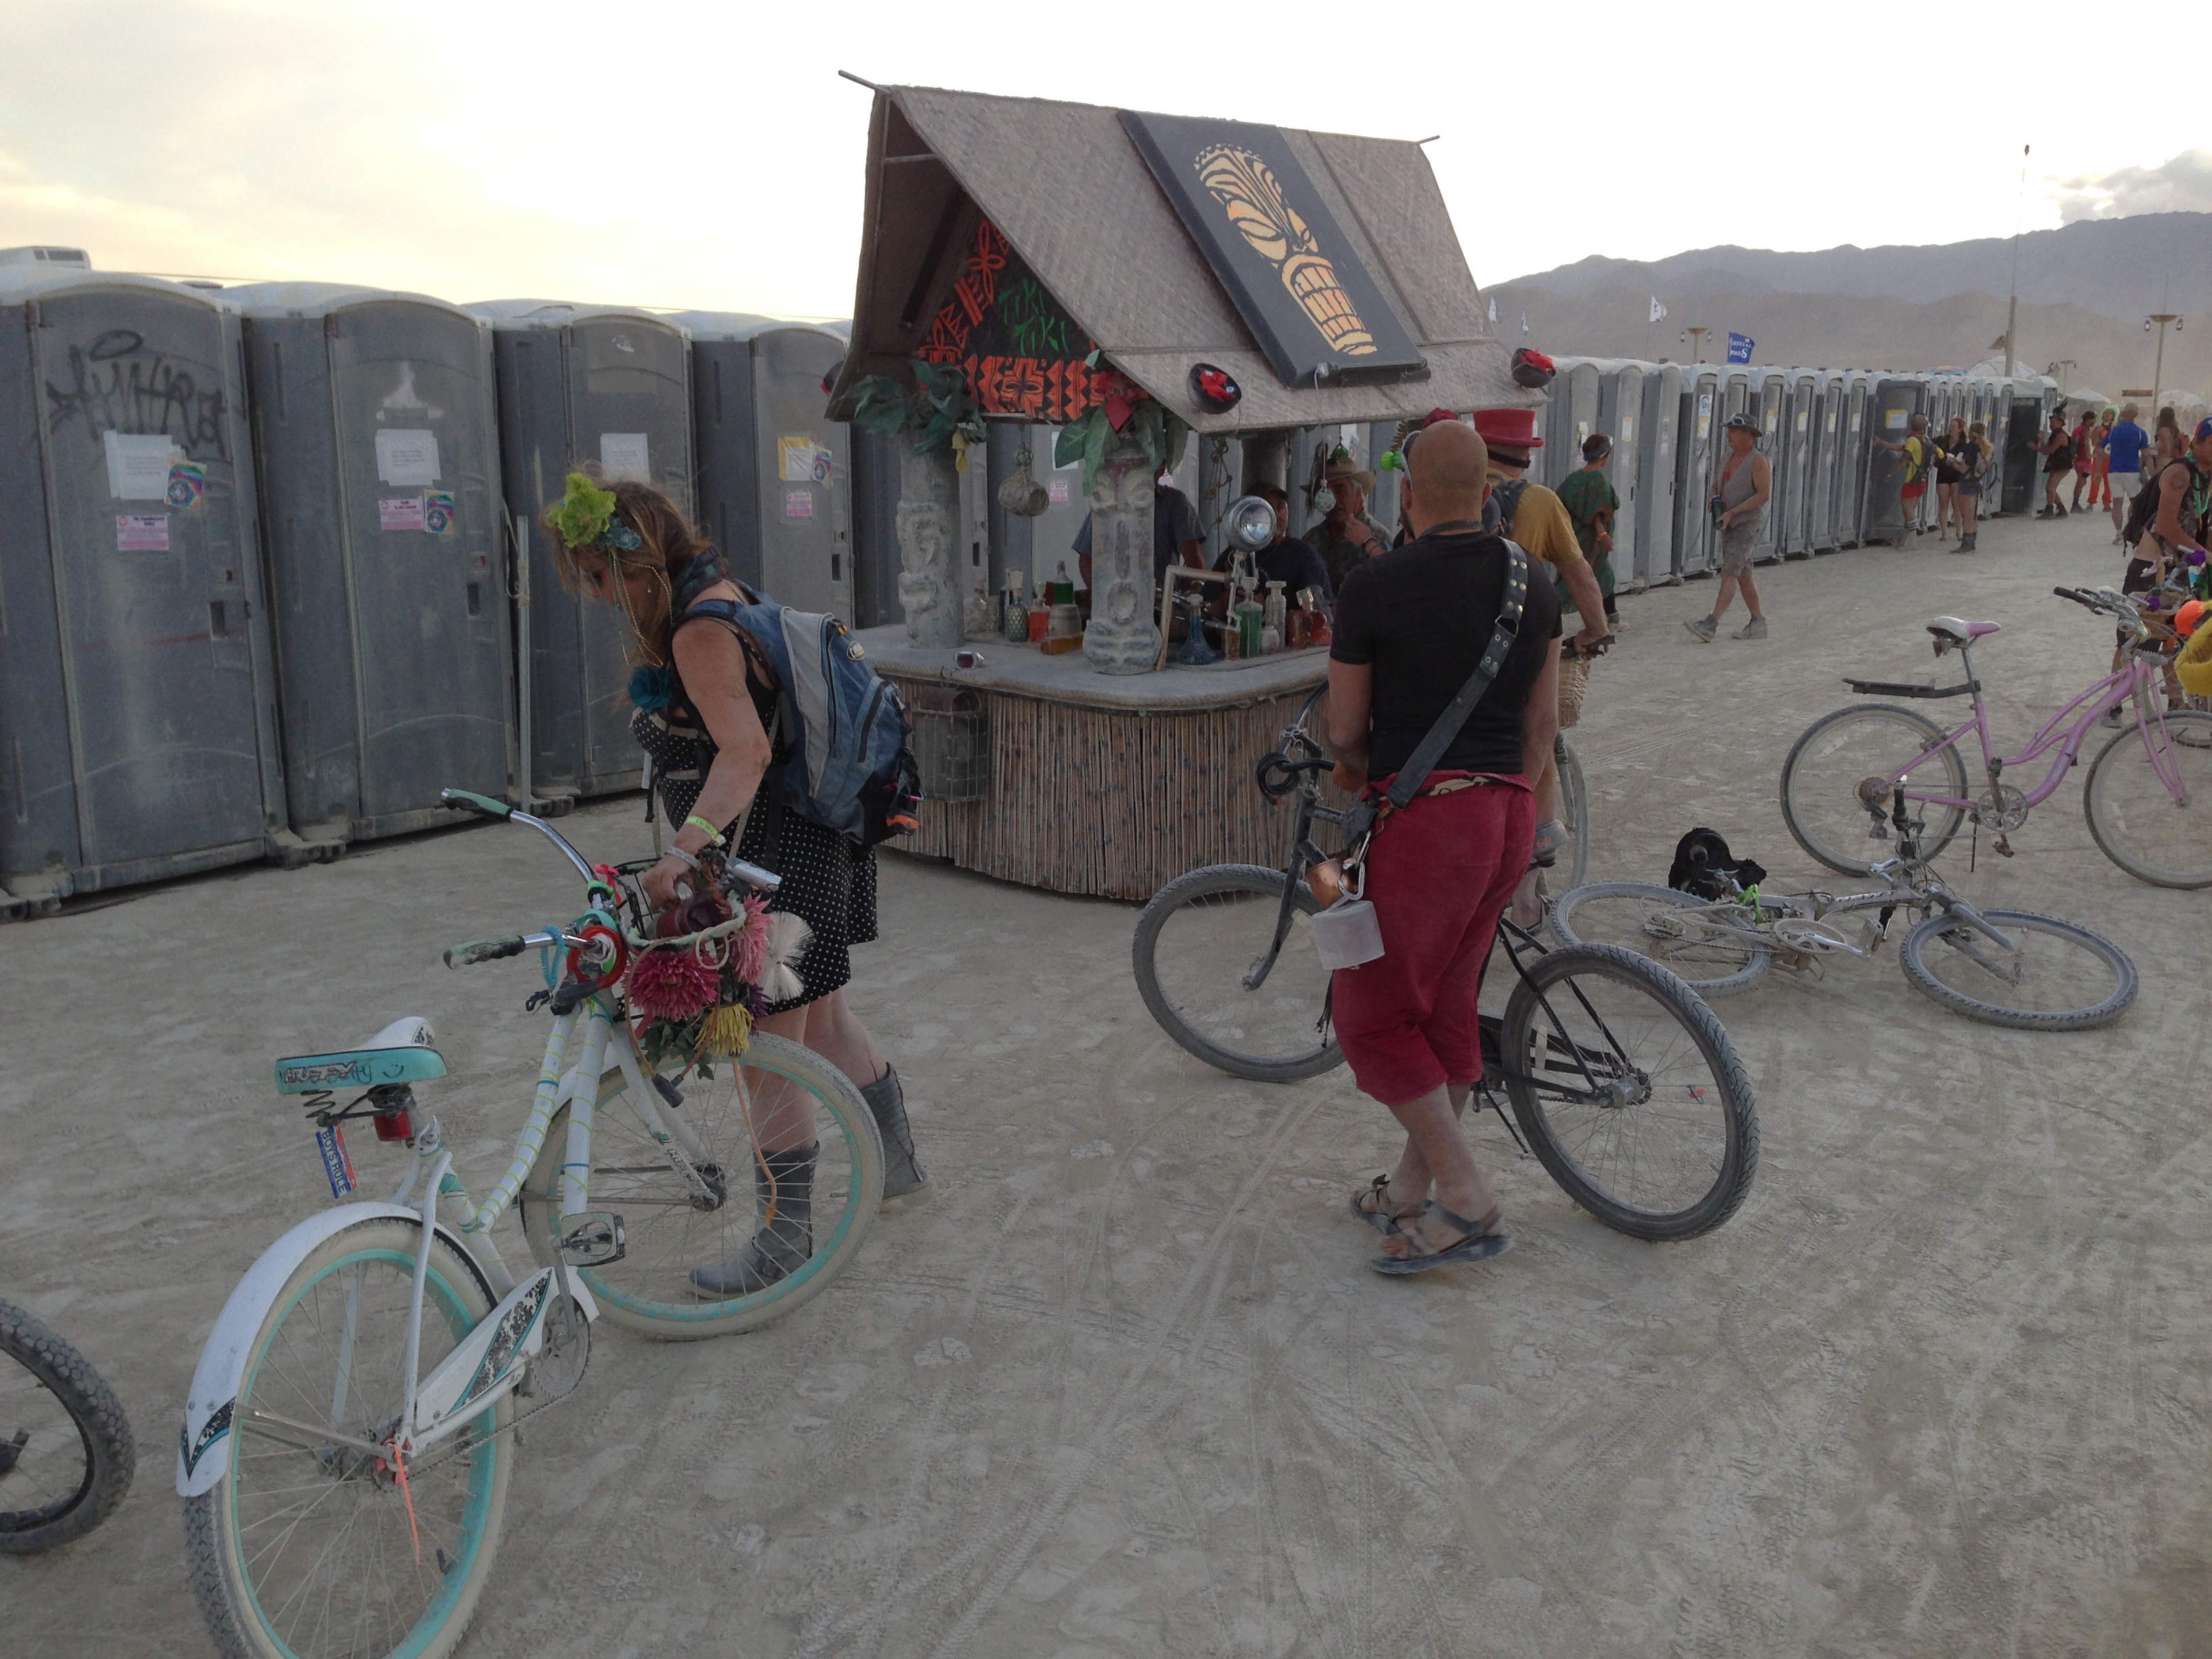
{"x": 658, "y": 152}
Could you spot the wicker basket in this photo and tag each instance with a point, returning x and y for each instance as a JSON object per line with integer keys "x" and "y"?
{"x": 952, "y": 743}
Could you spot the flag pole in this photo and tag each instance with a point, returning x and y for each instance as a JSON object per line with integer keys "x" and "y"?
{"x": 2012, "y": 302}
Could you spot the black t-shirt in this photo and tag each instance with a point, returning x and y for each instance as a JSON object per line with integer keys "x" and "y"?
{"x": 1422, "y": 615}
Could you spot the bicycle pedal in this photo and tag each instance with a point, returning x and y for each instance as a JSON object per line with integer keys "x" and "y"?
{"x": 595, "y": 1239}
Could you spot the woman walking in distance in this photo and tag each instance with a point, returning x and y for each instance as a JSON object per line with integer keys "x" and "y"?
{"x": 1739, "y": 502}
{"x": 1950, "y": 467}
{"x": 1972, "y": 457}
{"x": 707, "y": 698}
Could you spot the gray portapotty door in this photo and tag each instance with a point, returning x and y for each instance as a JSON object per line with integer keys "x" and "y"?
{"x": 1556, "y": 427}
{"x": 1697, "y": 428}
{"x": 1621, "y": 417}
{"x": 1890, "y": 407}
{"x": 805, "y": 463}
{"x": 155, "y": 566}
{"x": 1827, "y": 419}
{"x": 1584, "y": 385}
{"x": 1771, "y": 391}
{"x": 725, "y": 480}
{"x": 1656, "y": 434}
{"x": 413, "y": 396}
{"x": 629, "y": 410}
{"x": 1803, "y": 414}
{"x": 1851, "y": 470}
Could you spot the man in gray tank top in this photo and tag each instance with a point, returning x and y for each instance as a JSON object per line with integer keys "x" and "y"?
{"x": 1740, "y": 499}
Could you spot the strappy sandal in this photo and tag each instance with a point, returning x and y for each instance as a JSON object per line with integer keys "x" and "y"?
{"x": 1480, "y": 1244}
{"x": 1383, "y": 1219}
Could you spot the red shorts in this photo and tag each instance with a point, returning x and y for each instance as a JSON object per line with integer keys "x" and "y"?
{"x": 1439, "y": 874}
{"x": 1913, "y": 492}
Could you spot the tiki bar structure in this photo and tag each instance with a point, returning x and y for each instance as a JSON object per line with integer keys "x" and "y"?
{"x": 1129, "y": 279}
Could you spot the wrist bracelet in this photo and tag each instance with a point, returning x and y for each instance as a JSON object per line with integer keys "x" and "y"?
{"x": 714, "y": 835}
{"x": 678, "y": 852}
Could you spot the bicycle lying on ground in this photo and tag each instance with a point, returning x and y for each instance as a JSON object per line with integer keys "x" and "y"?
{"x": 1625, "y": 1085}
{"x": 2147, "y": 796}
{"x": 66, "y": 1455}
{"x": 346, "y": 1452}
{"x": 2010, "y": 968}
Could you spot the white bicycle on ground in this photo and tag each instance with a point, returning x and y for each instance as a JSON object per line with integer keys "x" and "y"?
{"x": 346, "y": 1451}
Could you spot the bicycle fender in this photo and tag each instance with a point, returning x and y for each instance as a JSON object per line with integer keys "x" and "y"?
{"x": 204, "y": 1444}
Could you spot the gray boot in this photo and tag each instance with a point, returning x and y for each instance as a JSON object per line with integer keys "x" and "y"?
{"x": 783, "y": 1192}
{"x": 902, "y": 1170}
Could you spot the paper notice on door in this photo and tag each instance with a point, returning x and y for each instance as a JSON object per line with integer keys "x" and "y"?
{"x": 141, "y": 532}
{"x": 794, "y": 459}
{"x": 401, "y": 512}
{"x": 406, "y": 457}
{"x": 138, "y": 467}
{"x": 1628, "y": 429}
{"x": 798, "y": 503}
{"x": 1894, "y": 419}
{"x": 623, "y": 455}
{"x": 1057, "y": 490}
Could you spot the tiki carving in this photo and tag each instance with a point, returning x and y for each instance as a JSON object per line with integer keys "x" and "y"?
{"x": 1124, "y": 636}
{"x": 929, "y": 547}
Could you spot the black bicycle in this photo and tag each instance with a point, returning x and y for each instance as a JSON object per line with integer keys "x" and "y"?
{"x": 1624, "y": 1083}
{"x": 66, "y": 1455}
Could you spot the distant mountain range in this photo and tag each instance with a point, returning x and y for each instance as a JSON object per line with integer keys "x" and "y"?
{"x": 2084, "y": 291}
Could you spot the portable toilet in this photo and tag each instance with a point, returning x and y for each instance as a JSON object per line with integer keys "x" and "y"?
{"x": 1621, "y": 417}
{"x": 1800, "y": 414}
{"x": 1697, "y": 428}
{"x": 1766, "y": 398}
{"x": 774, "y": 475}
{"x": 137, "y": 696}
{"x": 1571, "y": 417}
{"x": 1827, "y": 447}
{"x": 578, "y": 384}
{"x": 1655, "y": 438}
{"x": 1892, "y": 403}
{"x": 374, "y": 421}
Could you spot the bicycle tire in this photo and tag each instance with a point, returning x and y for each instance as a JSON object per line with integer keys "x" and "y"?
{"x": 1211, "y": 1033}
{"x": 1730, "y": 1149}
{"x": 1703, "y": 955}
{"x": 2116, "y": 790}
{"x": 254, "y": 1602}
{"x": 1838, "y": 850}
{"x": 649, "y": 1292}
{"x": 110, "y": 1456}
{"x": 1912, "y": 956}
{"x": 1574, "y": 805}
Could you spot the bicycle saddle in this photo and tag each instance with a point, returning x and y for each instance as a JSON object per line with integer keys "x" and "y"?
{"x": 1958, "y": 630}
{"x": 403, "y": 1052}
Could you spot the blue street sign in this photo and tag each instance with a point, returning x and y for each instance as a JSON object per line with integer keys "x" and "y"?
{"x": 1740, "y": 347}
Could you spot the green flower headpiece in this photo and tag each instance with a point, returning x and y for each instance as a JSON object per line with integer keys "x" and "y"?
{"x": 585, "y": 518}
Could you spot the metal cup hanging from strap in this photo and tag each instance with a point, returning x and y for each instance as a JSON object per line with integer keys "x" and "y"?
{"x": 1349, "y": 933}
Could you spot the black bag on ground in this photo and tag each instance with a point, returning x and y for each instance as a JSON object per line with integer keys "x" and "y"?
{"x": 1702, "y": 859}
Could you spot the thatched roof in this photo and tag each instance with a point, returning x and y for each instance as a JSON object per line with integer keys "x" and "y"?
{"x": 1069, "y": 190}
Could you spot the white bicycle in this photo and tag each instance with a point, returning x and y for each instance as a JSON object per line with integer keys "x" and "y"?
{"x": 346, "y": 1451}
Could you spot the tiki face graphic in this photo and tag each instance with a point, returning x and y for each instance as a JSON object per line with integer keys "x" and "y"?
{"x": 1246, "y": 187}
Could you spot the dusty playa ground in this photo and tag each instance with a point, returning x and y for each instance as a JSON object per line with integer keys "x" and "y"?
{"x": 1123, "y": 1385}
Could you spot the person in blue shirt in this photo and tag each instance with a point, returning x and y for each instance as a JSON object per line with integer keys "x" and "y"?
{"x": 2124, "y": 445}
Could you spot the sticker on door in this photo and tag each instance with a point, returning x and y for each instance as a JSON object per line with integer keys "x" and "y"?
{"x": 798, "y": 503}
{"x": 141, "y": 532}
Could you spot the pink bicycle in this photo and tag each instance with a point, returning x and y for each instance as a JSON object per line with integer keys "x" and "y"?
{"x": 2148, "y": 796}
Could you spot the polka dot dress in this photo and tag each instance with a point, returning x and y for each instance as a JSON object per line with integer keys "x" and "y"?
{"x": 827, "y": 880}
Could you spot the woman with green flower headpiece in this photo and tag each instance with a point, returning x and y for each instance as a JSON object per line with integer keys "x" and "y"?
{"x": 706, "y": 699}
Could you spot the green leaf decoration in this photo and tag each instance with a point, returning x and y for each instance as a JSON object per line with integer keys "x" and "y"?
{"x": 585, "y": 512}
{"x": 1067, "y": 442}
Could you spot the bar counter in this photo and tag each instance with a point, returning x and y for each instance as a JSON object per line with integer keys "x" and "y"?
{"x": 1105, "y": 785}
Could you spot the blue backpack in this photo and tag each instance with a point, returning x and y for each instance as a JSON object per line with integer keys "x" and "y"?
{"x": 851, "y": 767}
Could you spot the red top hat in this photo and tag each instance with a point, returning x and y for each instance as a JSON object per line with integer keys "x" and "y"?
{"x": 1508, "y": 429}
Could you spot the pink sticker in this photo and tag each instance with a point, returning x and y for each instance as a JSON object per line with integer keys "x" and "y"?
{"x": 401, "y": 513}
{"x": 798, "y": 503}
{"x": 1057, "y": 491}
{"x": 141, "y": 532}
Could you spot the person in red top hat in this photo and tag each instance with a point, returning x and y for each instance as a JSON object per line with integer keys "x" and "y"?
{"x": 1537, "y": 519}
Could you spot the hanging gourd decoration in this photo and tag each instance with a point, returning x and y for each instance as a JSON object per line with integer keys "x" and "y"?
{"x": 1021, "y": 494}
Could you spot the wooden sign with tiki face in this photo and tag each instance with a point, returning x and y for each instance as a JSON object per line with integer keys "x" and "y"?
{"x": 1271, "y": 241}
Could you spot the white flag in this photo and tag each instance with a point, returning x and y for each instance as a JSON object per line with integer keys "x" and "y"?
{"x": 1493, "y": 310}
{"x": 1524, "y": 322}
{"x": 1658, "y": 311}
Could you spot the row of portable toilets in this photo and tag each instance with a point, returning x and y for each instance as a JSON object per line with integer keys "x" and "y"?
{"x": 269, "y": 550}
{"x": 257, "y": 584}
{"x": 1823, "y": 432}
